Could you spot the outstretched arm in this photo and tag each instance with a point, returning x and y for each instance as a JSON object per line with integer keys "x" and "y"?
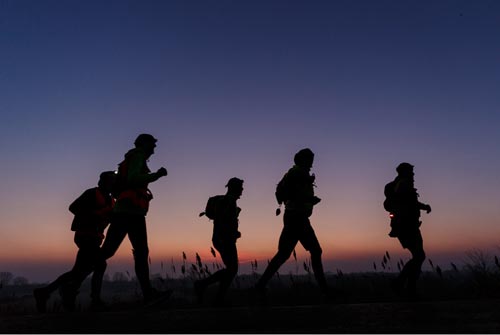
{"x": 424, "y": 207}
{"x": 137, "y": 177}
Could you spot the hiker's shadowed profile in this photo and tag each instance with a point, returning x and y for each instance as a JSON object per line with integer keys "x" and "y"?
{"x": 92, "y": 213}
{"x": 296, "y": 191}
{"x": 404, "y": 207}
{"x": 224, "y": 212}
{"x": 129, "y": 214}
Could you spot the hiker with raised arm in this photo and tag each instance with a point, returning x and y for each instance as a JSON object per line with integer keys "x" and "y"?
{"x": 132, "y": 205}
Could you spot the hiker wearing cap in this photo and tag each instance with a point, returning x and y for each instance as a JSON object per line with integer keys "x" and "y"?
{"x": 132, "y": 204}
{"x": 296, "y": 191}
{"x": 405, "y": 225}
{"x": 224, "y": 212}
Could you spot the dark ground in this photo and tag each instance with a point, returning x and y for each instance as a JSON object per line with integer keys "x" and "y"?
{"x": 452, "y": 316}
{"x": 466, "y": 301}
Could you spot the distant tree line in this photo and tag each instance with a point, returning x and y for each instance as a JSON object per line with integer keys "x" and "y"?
{"x": 7, "y": 278}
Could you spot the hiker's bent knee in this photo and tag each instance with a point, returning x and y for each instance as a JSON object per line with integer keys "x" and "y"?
{"x": 107, "y": 253}
{"x": 283, "y": 255}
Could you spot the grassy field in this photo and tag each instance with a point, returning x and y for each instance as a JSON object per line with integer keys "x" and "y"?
{"x": 458, "y": 300}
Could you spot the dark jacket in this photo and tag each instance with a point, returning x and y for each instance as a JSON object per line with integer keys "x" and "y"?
{"x": 301, "y": 191}
{"x": 406, "y": 199}
{"x": 136, "y": 174}
{"x": 226, "y": 221}
{"x": 92, "y": 212}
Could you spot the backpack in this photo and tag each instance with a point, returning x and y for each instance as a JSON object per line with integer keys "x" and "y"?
{"x": 390, "y": 196}
{"x": 121, "y": 178}
{"x": 282, "y": 190}
{"x": 212, "y": 207}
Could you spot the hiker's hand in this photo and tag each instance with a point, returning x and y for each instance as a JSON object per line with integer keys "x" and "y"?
{"x": 313, "y": 178}
{"x": 427, "y": 209}
{"x": 161, "y": 172}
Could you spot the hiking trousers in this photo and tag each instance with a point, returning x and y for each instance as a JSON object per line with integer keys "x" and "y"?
{"x": 412, "y": 240}
{"x": 134, "y": 226}
{"x": 296, "y": 228}
{"x": 88, "y": 260}
{"x": 229, "y": 256}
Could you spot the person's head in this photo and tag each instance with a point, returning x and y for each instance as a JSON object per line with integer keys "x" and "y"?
{"x": 235, "y": 187}
{"x": 304, "y": 158}
{"x": 146, "y": 142}
{"x": 405, "y": 170}
{"x": 107, "y": 180}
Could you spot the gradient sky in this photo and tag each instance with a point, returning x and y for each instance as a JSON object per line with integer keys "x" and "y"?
{"x": 235, "y": 88}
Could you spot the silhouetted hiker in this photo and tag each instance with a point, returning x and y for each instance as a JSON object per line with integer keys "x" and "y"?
{"x": 92, "y": 212}
{"x": 296, "y": 190}
{"x": 402, "y": 202}
{"x": 132, "y": 204}
{"x": 222, "y": 209}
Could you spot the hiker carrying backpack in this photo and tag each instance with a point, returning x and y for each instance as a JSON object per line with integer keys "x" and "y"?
{"x": 390, "y": 197}
{"x": 224, "y": 212}
{"x": 134, "y": 196}
{"x": 282, "y": 192}
{"x": 213, "y": 207}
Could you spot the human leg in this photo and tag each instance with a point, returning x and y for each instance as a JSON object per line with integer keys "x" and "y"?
{"x": 229, "y": 257}
{"x": 117, "y": 231}
{"x": 42, "y": 294}
{"x": 410, "y": 273}
{"x": 139, "y": 240}
{"x": 70, "y": 281}
{"x": 64, "y": 278}
{"x": 415, "y": 264}
{"x": 287, "y": 242}
{"x": 114, "y": 237}
{"x": 310, "y": 242}
{"x": 97, "y": 277}
{"x": 84, "y": 265}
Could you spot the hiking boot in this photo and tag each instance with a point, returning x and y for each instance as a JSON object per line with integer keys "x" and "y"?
{"x": 41, "y": 296}
{"x": 199, "y": 289}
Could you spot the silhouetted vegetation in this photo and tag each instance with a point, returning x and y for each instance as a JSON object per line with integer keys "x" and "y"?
{"x": 477, "y": 278}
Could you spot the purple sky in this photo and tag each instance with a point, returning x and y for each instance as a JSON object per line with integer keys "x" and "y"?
{"x": 235, "y": 88}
